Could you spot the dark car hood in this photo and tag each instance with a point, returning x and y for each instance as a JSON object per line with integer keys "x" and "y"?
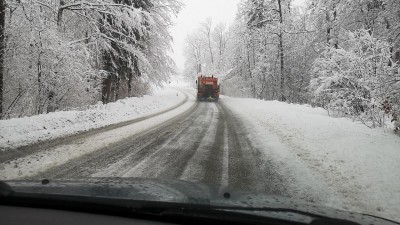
{"x": 161, "y": 190}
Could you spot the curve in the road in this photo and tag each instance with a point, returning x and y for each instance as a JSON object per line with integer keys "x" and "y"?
{"x": 206, "y": 144}
{"x": 49, "y": 144}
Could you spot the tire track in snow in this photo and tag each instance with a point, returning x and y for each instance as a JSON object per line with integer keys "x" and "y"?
{"x": 159, "y": 138}
{"x": 247, "y": 167}
{"x": 225, "y": 158}
{"x": 170, "y": 159}
{"x": 139, "y": 145}
{"x": 196, "y": 167}
{"x": 214, "y": 165}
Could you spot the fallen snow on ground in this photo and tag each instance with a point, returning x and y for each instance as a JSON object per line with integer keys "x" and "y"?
{"x": 25, "y": 131}
{"x": 346, "y": 164}
{"x": 38, "y": 162}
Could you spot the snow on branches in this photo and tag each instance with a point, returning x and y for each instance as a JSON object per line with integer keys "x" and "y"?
{"x": 356, "y": 78}
{"x": 70, "y": 53}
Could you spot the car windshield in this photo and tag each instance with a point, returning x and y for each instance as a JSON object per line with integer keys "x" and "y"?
{"x": 291, "y": 99}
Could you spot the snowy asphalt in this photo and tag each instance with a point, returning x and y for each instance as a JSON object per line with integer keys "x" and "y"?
{"x": 205, "y": 144}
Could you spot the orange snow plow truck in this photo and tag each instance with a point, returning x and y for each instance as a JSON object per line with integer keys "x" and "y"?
{"x": 207, "y": 88}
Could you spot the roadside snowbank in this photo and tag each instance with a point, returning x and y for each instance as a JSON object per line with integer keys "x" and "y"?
{"x": 24, "y": 131}
{"x": 355, "y": 168}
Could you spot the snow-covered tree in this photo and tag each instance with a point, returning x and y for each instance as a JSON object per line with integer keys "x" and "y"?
{"x": 357, "y": 78}
{"x": 270, "y": 39}
{"x": 69, "y": 53}
{"x": 44, "y": 70}
{"x": 194, "y": 55}
{"x": 205, "y": 50}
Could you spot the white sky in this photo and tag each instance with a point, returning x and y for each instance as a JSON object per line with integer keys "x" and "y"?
{"x": 196, "y": 12}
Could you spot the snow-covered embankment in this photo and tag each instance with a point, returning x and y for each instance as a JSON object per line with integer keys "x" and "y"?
{"x": 349, "y": 165}
{"x": 19, "y": 132}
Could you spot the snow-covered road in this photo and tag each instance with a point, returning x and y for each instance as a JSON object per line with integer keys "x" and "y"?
{"x": 204, "y": 144}
{"x": 198, "y": 141}
{"x": 244, "y": 144}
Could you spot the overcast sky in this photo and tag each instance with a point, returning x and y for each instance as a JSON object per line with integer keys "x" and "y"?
{"x": 196, "y": 12}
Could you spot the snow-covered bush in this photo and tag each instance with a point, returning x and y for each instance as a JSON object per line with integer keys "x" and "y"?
{"x": 357, "y": 78}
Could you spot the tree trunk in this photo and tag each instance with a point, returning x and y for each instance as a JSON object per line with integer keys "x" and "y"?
{"x": 130, "y": 76}
{"x": 117, "y": 85}
{"x": 60, "y": 14}
{"x": 209, "y": 47}
{"x": 208, "y": 31}
{"x": 330, "y": 29}
{"x": 41, "y": 98}
{"x": 281, "y": 54}
{"x": 2, "y": 51}
{"x": 252, "y": 86}
{"x": 106, "y": 90}
{"x": 51, "y": 104}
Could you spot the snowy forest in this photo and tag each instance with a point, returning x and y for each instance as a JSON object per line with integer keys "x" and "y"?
{"x": 63, "y": 54}
{"x": 342, "y": 55}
